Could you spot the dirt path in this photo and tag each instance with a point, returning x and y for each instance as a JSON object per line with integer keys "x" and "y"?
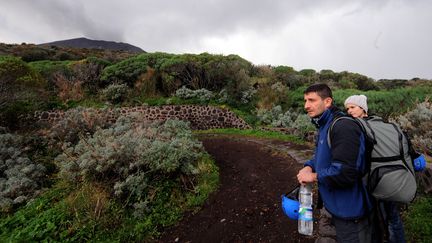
{"x": 246, "y": 207}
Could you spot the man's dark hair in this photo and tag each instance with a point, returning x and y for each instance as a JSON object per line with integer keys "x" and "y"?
{"x": 322, "y": 90}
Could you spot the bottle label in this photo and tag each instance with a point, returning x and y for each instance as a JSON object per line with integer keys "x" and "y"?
{"x": 305, "y": 214}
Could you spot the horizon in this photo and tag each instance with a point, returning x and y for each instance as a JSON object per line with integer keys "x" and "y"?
{"x": 381, "y": 40}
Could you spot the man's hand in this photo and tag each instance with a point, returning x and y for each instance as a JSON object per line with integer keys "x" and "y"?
{"x": 306, "y": 175}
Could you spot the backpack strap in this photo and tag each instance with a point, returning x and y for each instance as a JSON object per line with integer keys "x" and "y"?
{"x": 332, "y": 125}
{"x": 365, "y": 187}
{"x": 368, "y": 133}
{"x": 361, "y": 122}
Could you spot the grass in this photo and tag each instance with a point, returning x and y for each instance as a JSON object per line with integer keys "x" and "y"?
{"x": 208, "y": 181}
{"x": 44, "y": 218}
{"x": 253, "y": 133}
{"x": 418, "y": 220}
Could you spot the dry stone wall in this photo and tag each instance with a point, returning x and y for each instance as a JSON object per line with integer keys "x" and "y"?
{"x": 200, "y": 117}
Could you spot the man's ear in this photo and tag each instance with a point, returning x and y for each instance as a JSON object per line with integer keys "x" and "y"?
{"x": 328, "y": 102}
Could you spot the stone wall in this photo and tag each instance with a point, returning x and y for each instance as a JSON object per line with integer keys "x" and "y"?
{"x": 200, "y": 117}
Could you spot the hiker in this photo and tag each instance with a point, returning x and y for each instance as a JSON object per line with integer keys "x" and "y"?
{"x": 356, "y": 106}
{"x": 338, "y": 167}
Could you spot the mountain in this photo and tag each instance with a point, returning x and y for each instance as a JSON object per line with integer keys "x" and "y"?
{"x": 95, "y": 44}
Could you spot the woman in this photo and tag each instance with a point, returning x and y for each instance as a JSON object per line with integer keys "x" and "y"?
{"x": 356, "y": 106}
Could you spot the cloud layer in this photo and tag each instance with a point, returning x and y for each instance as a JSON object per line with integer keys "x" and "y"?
{"x": 381, "y": 39}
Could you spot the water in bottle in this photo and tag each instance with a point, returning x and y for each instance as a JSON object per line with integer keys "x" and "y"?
{"x": 305, "y": 220}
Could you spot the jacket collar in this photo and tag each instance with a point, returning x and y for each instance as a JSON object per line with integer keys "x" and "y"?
{"x": 326, "y": 116}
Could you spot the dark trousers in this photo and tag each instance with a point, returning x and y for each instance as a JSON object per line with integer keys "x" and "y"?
{"x": 353, "y": 231}
{"x": 388, "y": 224}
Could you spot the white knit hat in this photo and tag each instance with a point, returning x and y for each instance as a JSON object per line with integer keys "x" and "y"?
{"x": 359, "y": 100}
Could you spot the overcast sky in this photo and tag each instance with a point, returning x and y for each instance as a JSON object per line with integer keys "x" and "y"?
{"x": 377, "y": 38}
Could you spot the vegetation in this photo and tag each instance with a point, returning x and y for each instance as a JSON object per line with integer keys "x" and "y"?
{"x": 20, "y": 178}
{"x": 418, "y": 220}
{"x": 253, "y": 133}
{"x": 114, "y": 93}
{"x": 21, "y": 91}
{"x": 389, "y": 103}
{"x": 121, "y": 183}
{"x": 417, "y": 123}
{"x": 84, "y": 179}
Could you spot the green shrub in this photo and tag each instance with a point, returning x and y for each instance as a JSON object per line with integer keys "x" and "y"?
{"x": 128, "y": 71}
{"x": 387, "y": 103}
{"x": 35, "y": 54}
{"x": 46, "y": 68}
{"x": 296, "y": 97}
{"x": 170, "y": 72}
{"x": 21, "y": 91}
{"x": 146, "y": 83}
{"x": 270, "y": 95}
{"x": 86, "y": 71}
{"x": 361, "y": 82}
{"x": 392, "y": 83}
{"x": 63, "y": 56}
{"x": 14, "y": 70}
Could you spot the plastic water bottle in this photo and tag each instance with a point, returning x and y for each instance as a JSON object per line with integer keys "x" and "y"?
{"x": 305, "y": 220}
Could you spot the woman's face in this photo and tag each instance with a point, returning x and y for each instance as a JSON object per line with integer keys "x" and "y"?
{"x": 355, "y": 110}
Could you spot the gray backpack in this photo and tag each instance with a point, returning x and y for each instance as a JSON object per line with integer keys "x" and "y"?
{"x": 390, "y": 175}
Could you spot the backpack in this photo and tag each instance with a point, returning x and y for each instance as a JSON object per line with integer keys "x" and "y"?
{"x": 390, "y": 174}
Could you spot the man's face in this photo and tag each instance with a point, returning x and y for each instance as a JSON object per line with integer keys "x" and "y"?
{"x": 315, "y": 105}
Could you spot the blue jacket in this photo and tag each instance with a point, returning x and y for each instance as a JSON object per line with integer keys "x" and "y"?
{"x": 340, "y": 169}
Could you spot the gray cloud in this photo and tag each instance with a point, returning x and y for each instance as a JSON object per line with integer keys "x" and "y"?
{"x": 382, "y": 39}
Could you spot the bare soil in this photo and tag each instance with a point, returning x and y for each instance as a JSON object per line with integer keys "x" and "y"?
{"x": 247, "y": 205}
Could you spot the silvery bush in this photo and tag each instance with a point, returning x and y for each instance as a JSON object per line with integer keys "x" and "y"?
{"x": 203, "y": 95}
{"x": 20, "y": 178}
{"x": 298, "y": 122}
{"x": 418, "y": 124}
{"x": 131, "y": 156}
{"x": 76, "y": 123}
{"x": 247, "y": 95}
{"x": 115, "y": 93}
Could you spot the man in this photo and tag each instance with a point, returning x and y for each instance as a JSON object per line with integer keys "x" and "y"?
{"x": 338, "y": 168}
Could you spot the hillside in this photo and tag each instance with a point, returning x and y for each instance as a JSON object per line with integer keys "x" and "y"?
{"x": 95, "y": 44}
{"x": 33, "y": 52}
